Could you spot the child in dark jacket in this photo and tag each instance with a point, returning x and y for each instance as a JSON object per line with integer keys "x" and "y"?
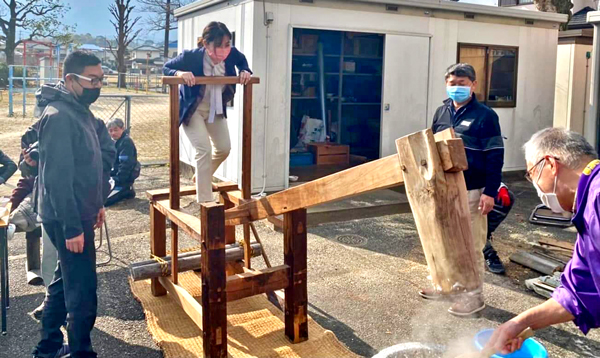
{"x": 126, "y": 168}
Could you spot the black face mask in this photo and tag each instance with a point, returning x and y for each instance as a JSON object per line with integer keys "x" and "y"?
{"x": 88, "y": 96}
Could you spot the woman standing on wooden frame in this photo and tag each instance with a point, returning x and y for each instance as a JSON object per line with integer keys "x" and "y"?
{"x": 202, "y": 108}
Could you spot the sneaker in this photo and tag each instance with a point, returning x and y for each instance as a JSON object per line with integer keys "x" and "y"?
{"x": 63, "y": 352}
{"x": 467, "y": 306}
{"x": 38, "y": 312}
{"x": 492, "y": 261}
{"x": 131, "y": 194}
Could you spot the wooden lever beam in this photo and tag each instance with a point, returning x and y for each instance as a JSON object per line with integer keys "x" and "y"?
{"x": 379, "y": 174}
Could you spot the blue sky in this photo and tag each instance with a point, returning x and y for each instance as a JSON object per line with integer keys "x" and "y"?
{"x": 92, "y": 16}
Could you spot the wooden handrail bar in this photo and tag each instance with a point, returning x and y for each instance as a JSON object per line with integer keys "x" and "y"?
{"x": 230, "y": 80}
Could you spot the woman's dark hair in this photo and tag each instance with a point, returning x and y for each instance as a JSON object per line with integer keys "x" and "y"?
{"x": 214, "y": 32}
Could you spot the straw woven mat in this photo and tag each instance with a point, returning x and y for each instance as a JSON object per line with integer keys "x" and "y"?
{"x": 255, "y": 327}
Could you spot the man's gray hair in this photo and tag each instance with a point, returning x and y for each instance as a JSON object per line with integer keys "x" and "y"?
{"x": 117, "y": 122}
{"x": 571, "y": 148}
{"x": 461, "y": 70}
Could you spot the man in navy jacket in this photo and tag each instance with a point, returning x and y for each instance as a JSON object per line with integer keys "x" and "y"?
{"x": 479, "y": 128}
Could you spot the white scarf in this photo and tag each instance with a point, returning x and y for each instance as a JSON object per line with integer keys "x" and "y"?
{"x": 214, "y": 92}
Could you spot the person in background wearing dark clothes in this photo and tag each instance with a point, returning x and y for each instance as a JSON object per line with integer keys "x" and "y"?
{"x": 479, "y": 128}
{"x": 202, "y": 108}
{"x": 126, "y": 168}
{"x": 71, "y": 189}
{"x": 503, "y": 203}
{"x": 7, "y": 168}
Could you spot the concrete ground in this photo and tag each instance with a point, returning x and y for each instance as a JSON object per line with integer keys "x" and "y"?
{"x": 363, "y": 277}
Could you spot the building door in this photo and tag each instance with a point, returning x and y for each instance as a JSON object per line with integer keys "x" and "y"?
{"x": 405, "y": 88}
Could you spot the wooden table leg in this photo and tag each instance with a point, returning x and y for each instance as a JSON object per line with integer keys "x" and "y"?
{"x": 214, "y": 281}
{"x": 3, "y": 276}
{"x": 158, "y": 244}
{"x": 296, "y": 295}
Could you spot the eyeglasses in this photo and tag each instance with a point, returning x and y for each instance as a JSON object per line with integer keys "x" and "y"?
{"x": 528, "y": 173}
{"x": 94, "y": 81}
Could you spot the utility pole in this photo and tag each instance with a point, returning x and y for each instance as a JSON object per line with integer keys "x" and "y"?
{"x": 147, "y": 71}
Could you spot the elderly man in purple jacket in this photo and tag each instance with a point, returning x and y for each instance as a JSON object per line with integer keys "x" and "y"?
{"x": 564, "y": 169}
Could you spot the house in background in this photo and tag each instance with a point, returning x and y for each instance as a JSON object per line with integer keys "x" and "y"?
{"x": 573, "y": 73}
{"x": 518, "y": 4}
{"x": 529, "y": 4}
{"x": 384, "y": 64}
{"x": 173, "y": 49}
{"x": 573, "y": 68}
{"x": 143, "y": 52}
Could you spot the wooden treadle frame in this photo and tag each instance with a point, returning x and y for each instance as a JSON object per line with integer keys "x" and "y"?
{"x": 216, "y": 225}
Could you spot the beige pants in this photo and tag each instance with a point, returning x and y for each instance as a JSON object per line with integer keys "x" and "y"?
{"x": 478, "y": 227}
{"x": 212, "y": 145}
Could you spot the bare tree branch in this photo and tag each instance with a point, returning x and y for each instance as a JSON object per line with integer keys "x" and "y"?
{"x": 24, "y": 7}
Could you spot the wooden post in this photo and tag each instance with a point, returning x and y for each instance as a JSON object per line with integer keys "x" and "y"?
{"x": 174, "y": 175}
{"x": 247, "y": 164}
{"x": 214, "y": 281}
{"x": 174, "y": 146}
{"x": 296, "y": 295}
{"x": 158, "y": 243}
{"x": 229, "y": 230}
{"x": 174, "y": 253}
{"x": 441, "y": 210}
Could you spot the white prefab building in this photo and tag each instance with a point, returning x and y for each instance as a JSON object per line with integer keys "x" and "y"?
{"x": 383, "y": 63}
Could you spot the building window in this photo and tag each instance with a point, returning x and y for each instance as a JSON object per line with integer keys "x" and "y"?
{"x": 496, "y": 69}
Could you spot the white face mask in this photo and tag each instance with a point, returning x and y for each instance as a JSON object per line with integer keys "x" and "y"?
{"x": 550, "y": 200}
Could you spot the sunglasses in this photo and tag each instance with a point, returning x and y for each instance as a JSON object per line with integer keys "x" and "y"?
{"x": 530, "y": 171}
{"x": 94, "y": 81}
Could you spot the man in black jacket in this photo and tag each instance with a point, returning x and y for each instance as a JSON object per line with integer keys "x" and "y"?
{"x": 70, "y": 203}
{"x": 479, "y": 128}
{"x": 126, "y": 168}
{"x": 7, "y": 168}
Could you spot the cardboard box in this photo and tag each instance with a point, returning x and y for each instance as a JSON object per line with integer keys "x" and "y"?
{"x": 349, "y": 66}
{"x": 307, "y": 44}
{"x": 330, "y": 153}
{"x": 364, "y": 46}
{"x": 310, "y": 92}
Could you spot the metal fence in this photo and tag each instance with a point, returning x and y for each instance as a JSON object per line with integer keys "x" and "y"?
{"x": 147, "y": 117}
{"x": 143, "y": 108}
{"x": 23, "y": 81}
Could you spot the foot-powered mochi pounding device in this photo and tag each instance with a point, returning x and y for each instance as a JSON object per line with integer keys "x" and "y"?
{"x": 429, "y": 166}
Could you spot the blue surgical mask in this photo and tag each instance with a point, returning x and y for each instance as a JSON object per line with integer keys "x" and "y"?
{"x": 459, "y": 94}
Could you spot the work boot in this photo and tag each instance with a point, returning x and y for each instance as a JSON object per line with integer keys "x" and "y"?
{"x": 492, "y": 261}
{"x": 467, "y": 305}
{"x": 431, "y": 294}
